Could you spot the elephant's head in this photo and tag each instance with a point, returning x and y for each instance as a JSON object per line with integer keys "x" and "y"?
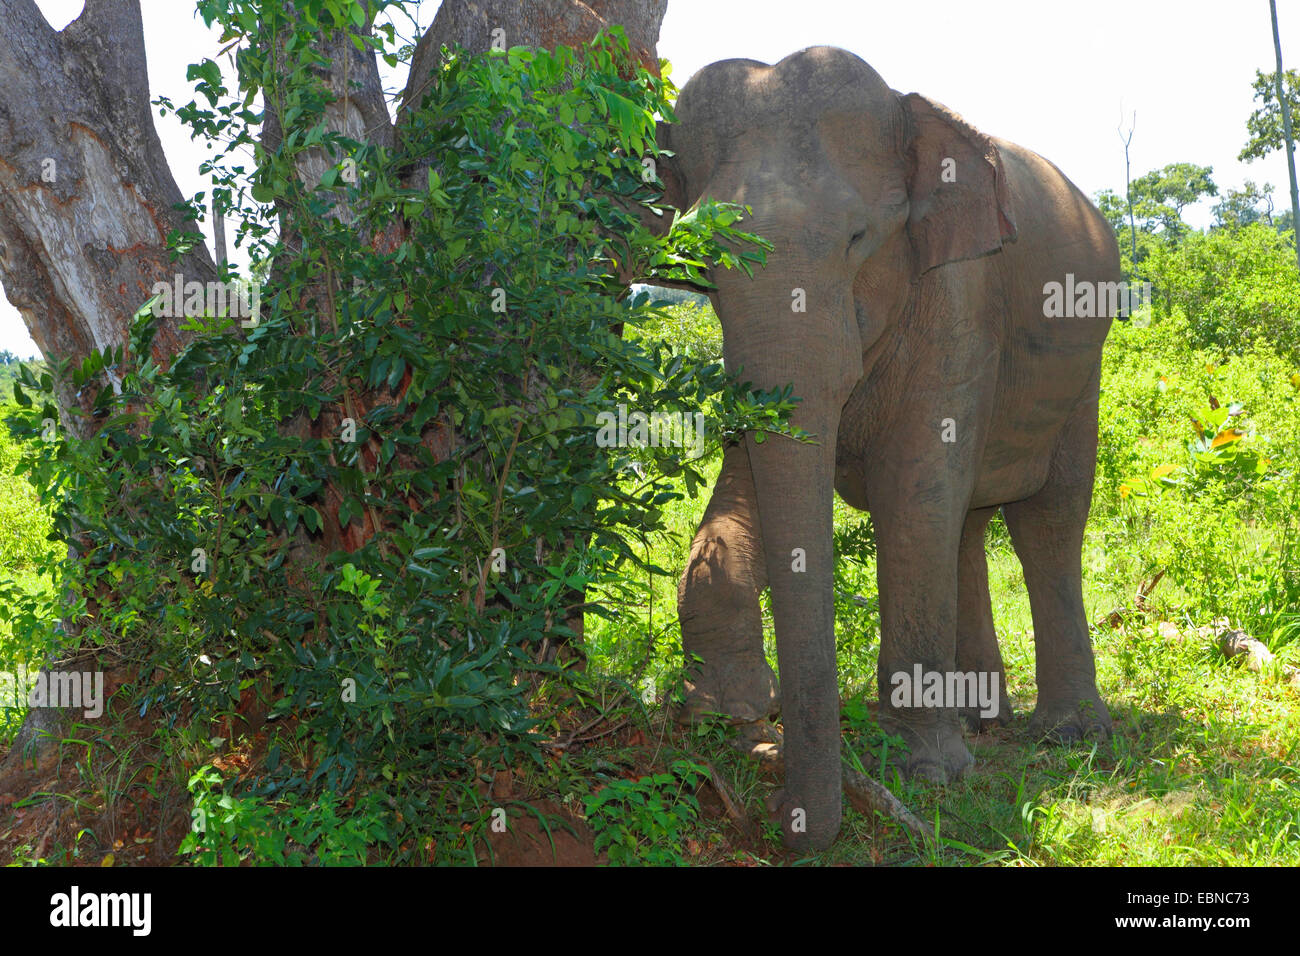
{"x": 861, "y": 190}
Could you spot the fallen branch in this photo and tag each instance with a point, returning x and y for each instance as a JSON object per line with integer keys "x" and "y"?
{"x": 1140, "y": 605}
{"x": 571, "y": 737}
{"x": 865, "y": 794}
{"x": 1257, "y": 656}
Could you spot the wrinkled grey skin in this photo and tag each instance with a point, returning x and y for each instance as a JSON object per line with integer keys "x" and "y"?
{"x": 924, "y": 303}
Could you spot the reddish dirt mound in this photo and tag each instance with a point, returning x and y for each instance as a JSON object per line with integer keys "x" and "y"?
{"x": 566, "y": 840}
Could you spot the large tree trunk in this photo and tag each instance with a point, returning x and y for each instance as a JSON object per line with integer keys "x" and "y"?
{"x": 539, "y": 23}
{"x": 86, "y": 194}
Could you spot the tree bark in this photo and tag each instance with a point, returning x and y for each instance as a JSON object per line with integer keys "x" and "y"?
{"x": 85, "y": 195}
{"x": 1286, "y": 130}
{"x": 86, "y": 206}
{"x": 536, "y": 23}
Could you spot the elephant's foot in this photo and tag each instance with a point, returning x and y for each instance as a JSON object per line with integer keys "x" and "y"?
{"x": 936, "y": 751}
{"x": 1070, "y": 719}
{"x": 744, "y": 691}
{"x": 762, "y": 742}
{"x": 865, "y": 794}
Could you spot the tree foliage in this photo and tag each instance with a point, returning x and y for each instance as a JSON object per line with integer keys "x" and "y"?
{"x": 480, "y": 314}
{"x": 1159, "y": 198}
{"x": 1241, "y": 207}
{"x": 1237, "y": 288}
{"x": 1265, "y": 124}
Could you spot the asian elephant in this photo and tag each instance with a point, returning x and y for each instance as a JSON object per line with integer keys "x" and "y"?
{"x": 905, "y": 300}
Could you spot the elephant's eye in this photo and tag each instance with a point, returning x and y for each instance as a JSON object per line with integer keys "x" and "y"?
{"x": 857, "y": 237}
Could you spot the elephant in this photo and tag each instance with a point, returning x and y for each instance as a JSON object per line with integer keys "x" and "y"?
{"x": 904, "y": 300}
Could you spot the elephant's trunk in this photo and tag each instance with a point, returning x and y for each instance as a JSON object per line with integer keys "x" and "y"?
{"x": 793, "y": 481}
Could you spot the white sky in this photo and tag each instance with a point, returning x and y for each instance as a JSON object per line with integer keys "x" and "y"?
{"x": 1036, "y": 72}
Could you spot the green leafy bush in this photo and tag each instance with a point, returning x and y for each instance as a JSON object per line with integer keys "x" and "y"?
{"x": 227, "y": 830}
{"x": 1196, "y": 477}
{"x": 641, "y": 822}
{"x": 24, "y": 521}
{"x": 1236, "y": 288}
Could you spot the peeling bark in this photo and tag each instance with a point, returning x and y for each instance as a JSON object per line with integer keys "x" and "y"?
{"x": 86, "y": 195}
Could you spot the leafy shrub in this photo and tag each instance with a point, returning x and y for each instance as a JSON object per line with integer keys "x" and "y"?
{"x": 1237, "y": 288}
{"x": 693, "y": 330}
{"x": 641, "y": 821}
{"x": 227, "y": 830}
{"x": 1208, "y": 494}
{"x": 24, "y": 521}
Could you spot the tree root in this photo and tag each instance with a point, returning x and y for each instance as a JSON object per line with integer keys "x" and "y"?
{"x": 729, "y": 802}
{"x": 866, "y": 795}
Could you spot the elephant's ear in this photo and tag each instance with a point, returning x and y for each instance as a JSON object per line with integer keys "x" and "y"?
{"x": 961, "y": 207}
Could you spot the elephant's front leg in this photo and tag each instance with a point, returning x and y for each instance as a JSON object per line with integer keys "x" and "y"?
{"x": 718, "y": 604}
{"x": 916, "y": 572}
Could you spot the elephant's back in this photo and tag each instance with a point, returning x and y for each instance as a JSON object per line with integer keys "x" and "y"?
{"x": 1061, "y": 275}
{"x": 1054, "y": 217}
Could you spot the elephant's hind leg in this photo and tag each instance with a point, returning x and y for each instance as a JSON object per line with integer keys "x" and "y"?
{"x": 977, "y": 642}
{"x": 1047, "y": 531}
{"x": 718, "y": 604}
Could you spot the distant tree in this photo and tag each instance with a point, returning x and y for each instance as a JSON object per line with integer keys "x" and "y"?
{"x": 1270, "y": 125}
{"x": 1114, "y": 207}
{"x": 1159, "y": 198}
{"x": 10, "y": 366}
{"x": 1265, "y": 124}
{"x": 1127, "y": 139}
{"x": 1288, "y": 131}
{"x": 1155, "y": 205}
{"x": 1241, "y": 207}
{"x": 1237, "y": 288}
